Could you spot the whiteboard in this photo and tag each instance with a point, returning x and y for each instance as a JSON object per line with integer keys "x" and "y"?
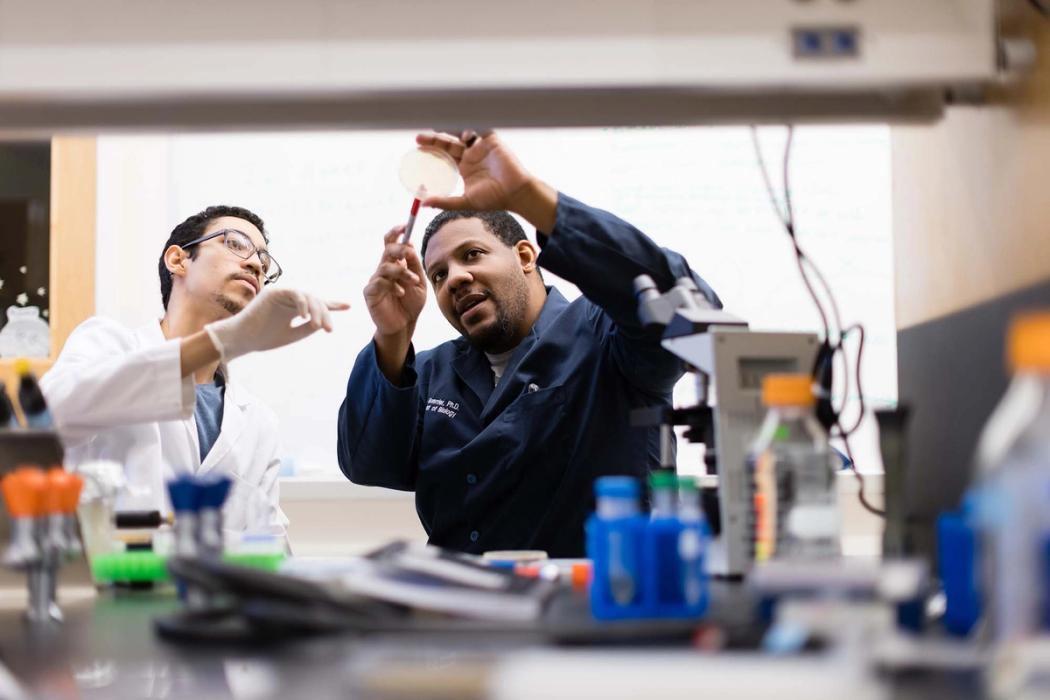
{"x": 328, "y": 197}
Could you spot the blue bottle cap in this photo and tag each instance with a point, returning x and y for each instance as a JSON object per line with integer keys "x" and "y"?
{"x": 214, "y": 491}
{"x": 616, "y": 487}
{"x": 184, "y": 493}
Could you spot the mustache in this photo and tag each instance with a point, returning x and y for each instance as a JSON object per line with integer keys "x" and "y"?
{"x": 241, "y": 275}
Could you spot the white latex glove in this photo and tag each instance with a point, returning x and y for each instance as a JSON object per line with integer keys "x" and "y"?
{"x": 266, "y": 322}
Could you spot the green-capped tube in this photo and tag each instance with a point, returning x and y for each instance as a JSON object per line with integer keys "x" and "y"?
{"x": 662, "y": 486}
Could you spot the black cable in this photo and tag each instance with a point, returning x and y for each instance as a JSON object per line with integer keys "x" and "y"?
{"x": 765, "y": 179}
{"x": 841, "y": 432}
{"x": 860, "y": 389}
{"x": 840, "y": 353}
{"x": 844, "y": 435}
{"x": 829, "y": 349}
{"x": 831, "y": 299}
{"x": 787, "y": 217}
{"x": 801, "y": 258}
{"x": 1040, "y": 7}
{"x": 787, "y": 180}
{"x": 860, "y": 479}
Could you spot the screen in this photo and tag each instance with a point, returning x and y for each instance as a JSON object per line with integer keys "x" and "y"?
{"x": 754, "y": 369}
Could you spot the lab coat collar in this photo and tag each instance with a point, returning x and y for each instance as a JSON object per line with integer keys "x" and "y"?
{"x": 511, "y": 385}
{"x": 233, "y": 424}
{"x": 474, "y": 369}
{"x": 552, "y": 308}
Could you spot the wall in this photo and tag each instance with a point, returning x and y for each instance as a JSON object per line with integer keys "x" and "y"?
{"x": 969, "y": 195}
{"x": 971, "y": 247}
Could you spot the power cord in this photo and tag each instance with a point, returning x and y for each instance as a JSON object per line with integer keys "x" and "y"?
{"x": 831, "y": 345}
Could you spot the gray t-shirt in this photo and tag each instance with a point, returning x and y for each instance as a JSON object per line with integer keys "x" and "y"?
{"x": 208, "y": 413}
{"x": 499, "y": 364}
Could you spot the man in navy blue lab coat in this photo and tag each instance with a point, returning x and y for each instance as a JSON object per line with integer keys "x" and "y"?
{"x": 502, "y": 431}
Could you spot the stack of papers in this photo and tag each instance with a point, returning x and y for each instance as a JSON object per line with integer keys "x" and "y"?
{"x": 428, "y": 578}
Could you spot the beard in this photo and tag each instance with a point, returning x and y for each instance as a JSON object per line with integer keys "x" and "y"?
{"x": 502, "y": 334}
{"x": 229, "y": 304}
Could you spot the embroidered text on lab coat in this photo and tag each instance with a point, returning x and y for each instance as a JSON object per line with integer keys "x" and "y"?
{"x": 448, "y": 408}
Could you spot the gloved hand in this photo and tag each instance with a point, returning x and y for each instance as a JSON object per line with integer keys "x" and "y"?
{"x": 266, "y": 322}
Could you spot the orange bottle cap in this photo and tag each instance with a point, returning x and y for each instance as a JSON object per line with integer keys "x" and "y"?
{"x": 16, "y": 507}
{"x": 1028, "y": 342}
{"x": 71, "y": 493}
{"x": 24, "y": 491}
{"x": 581, "y": 575}
{"x": 61, "y": 484}
{"x": 53, "y": 493}
{"x": 788, "y": 390}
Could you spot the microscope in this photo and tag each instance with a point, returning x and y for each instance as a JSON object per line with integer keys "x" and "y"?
{"x": 729, "y": 362}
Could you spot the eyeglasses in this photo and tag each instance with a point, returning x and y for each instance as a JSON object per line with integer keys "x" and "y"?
{"x": 238, "y": 243}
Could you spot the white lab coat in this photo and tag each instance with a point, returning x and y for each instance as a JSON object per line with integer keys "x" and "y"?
{"x": 118, "y": 394}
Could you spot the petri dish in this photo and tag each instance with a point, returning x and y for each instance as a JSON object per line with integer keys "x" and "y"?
{"x": 428, "y": 172}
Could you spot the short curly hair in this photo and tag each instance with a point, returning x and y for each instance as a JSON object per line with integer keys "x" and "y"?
{"x": 193, "y": 228}
{"x": 499, "y": 223}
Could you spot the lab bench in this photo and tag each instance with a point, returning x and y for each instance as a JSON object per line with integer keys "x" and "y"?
{"x": 107, "y": 648}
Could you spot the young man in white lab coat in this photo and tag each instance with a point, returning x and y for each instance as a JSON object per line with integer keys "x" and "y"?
{"x": 160, "y": 400}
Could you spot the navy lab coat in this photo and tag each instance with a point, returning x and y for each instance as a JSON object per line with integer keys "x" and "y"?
{"x": 513, "y": 466}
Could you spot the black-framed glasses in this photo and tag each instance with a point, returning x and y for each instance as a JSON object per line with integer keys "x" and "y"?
{"x": 238, "y": 243}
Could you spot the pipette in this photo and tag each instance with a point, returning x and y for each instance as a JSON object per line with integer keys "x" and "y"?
{"x": 412, "y": 217}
